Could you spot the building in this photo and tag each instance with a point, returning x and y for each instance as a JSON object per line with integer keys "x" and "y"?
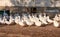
{"x": 31, "y": 5}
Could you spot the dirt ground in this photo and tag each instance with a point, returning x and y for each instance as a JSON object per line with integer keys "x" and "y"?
{"x": 30, "y": 31}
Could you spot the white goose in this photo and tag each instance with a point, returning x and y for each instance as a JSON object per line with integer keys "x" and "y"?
{"x": 31, "y": 19}
{"x": 43, "y": 20}
{"x": 49, "y": 20}
{"x": 21, "y": 22}
{"x": 37, "y": 22}
{"x": 56, "y": 24}
{"x": 28, "y": 21}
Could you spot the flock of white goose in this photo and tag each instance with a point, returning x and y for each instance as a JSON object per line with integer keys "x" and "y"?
{"x": 29, "y": 20}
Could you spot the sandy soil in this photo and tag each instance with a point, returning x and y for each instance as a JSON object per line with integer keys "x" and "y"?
{"x": 33, "y": 31}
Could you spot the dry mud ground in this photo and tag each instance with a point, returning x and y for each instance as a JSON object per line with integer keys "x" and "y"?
{"x": 33, "y": 31}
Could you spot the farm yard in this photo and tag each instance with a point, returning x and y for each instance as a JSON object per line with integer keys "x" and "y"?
{"x": 29, "y": 18}
{"x": 41, "y": 26}
{"x": 30, "y": 31}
